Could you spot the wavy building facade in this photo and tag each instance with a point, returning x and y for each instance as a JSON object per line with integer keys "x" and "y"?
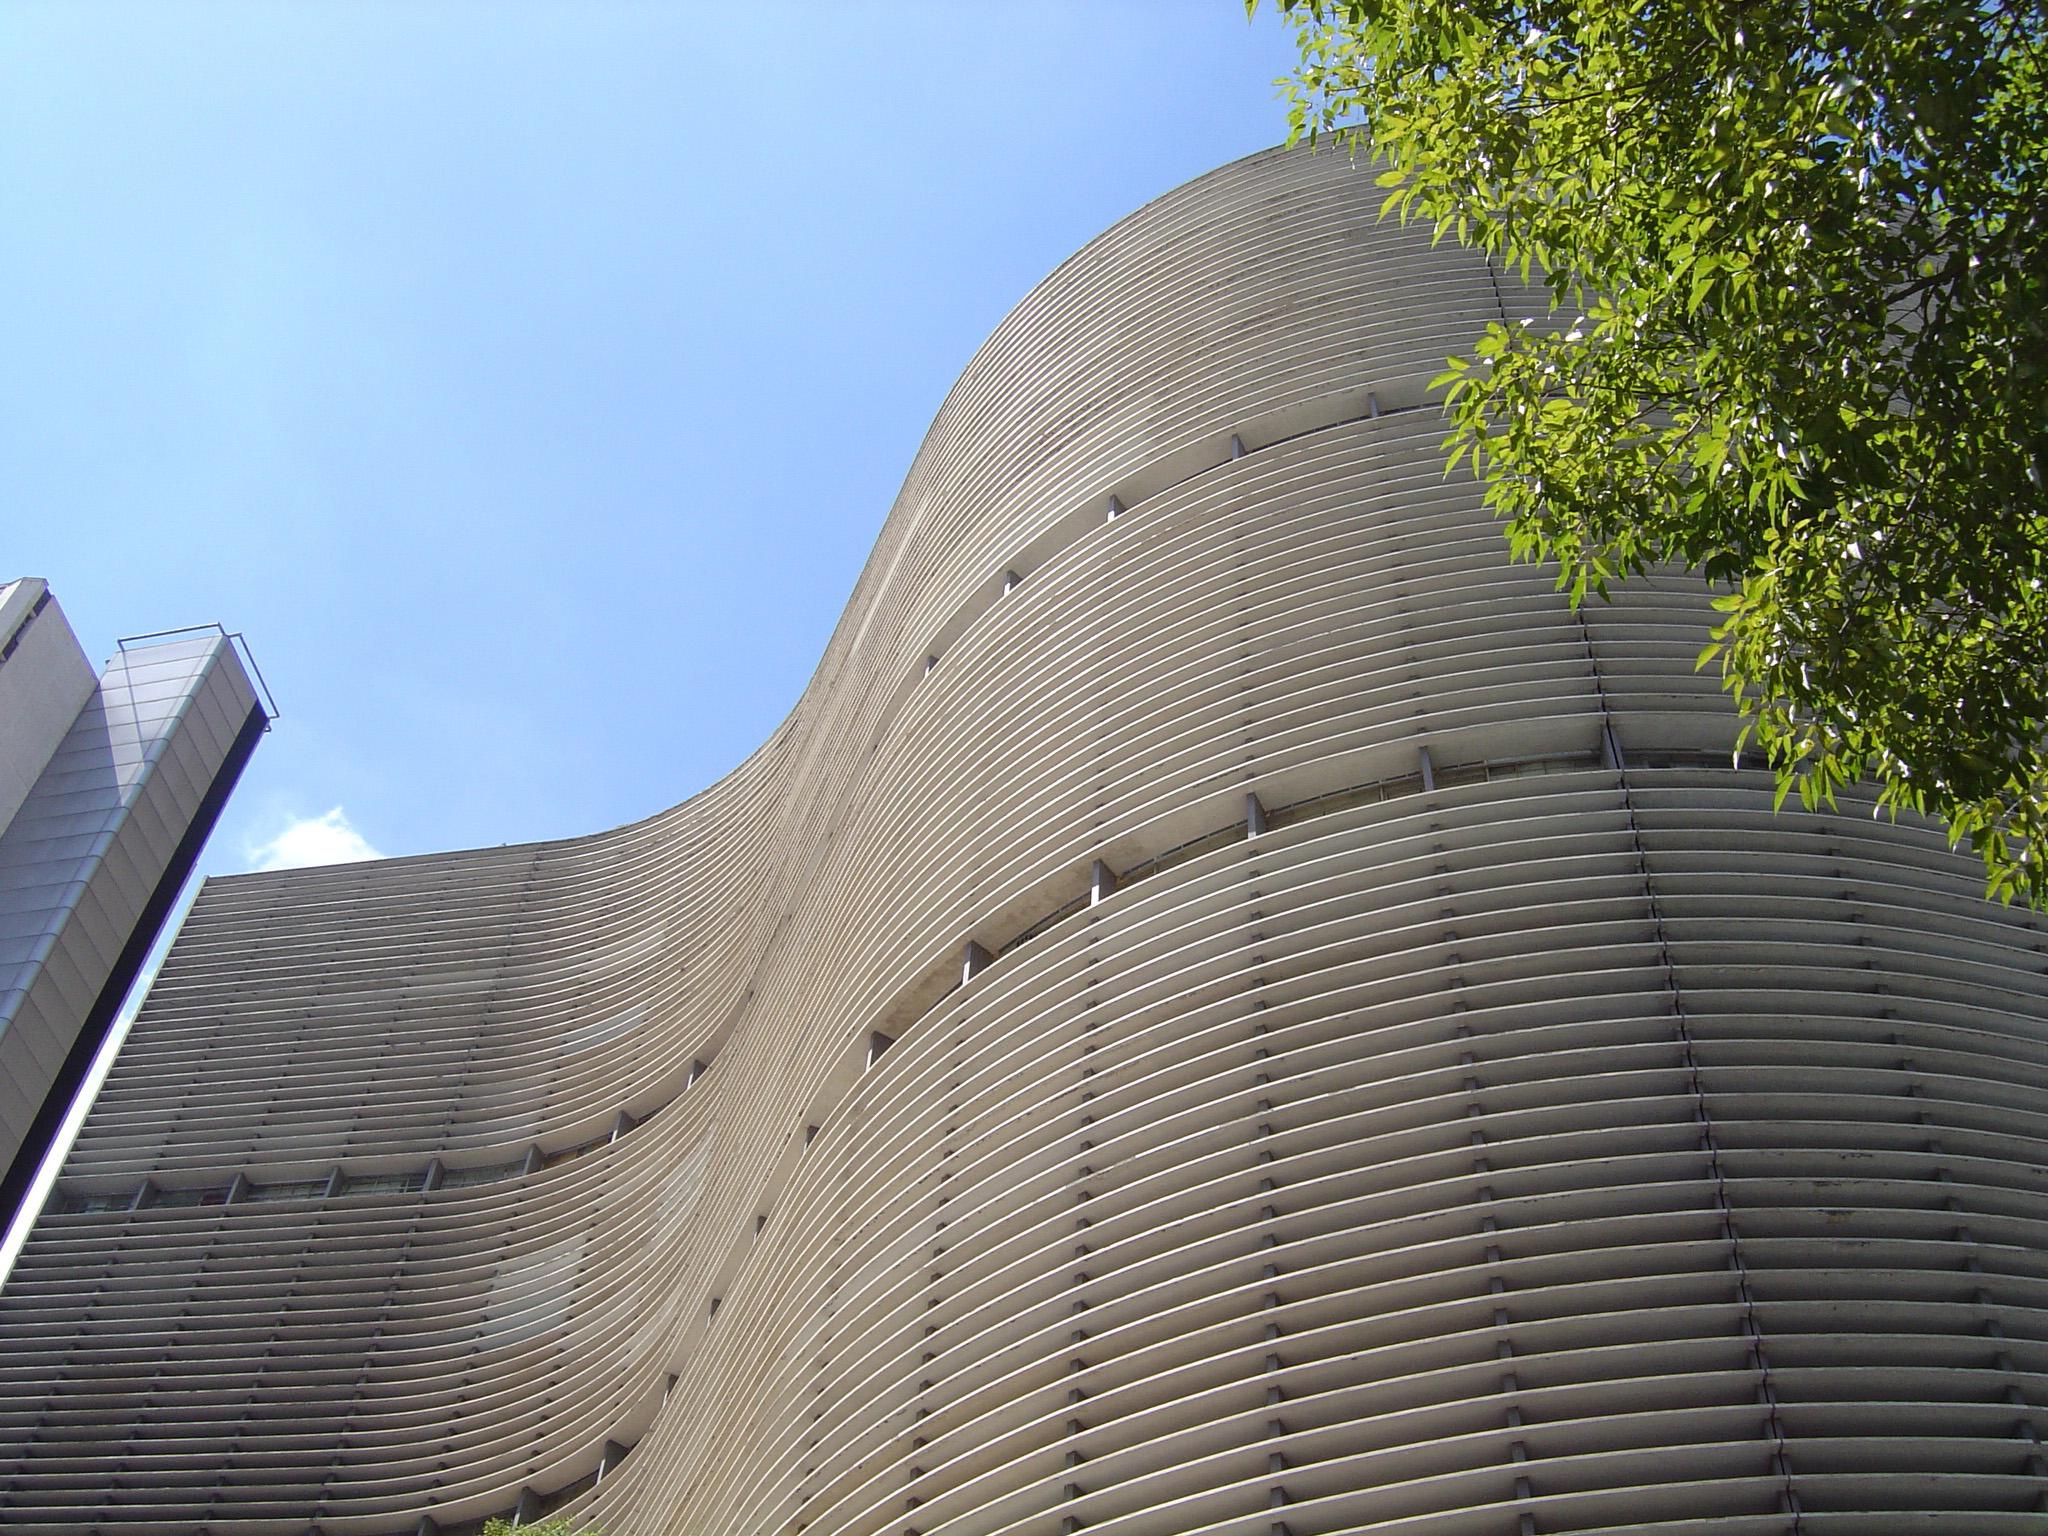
{"x": 1226, "y": 1008}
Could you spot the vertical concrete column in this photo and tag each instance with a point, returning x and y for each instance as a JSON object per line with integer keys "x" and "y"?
{"x": 1101, "y": 882}
{"x": 1266, "y": 1231}
{"x": 972, "y": 958}
{"x": 1085, "y": 1170}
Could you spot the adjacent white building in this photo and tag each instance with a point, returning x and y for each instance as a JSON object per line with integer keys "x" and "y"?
{"x": 109, "y": 785}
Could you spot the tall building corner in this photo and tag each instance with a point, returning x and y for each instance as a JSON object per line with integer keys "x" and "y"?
{"x": 109, "y": 786}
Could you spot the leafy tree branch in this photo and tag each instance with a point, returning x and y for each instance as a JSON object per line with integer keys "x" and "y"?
{"x": 1805, "y": 243}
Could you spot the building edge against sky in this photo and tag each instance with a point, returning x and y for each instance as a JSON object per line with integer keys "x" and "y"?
{"x": 109, "y": 787}
{"x": 1227, "y": 1007}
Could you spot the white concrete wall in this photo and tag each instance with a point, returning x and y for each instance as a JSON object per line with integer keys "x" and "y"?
{"x": 44, "y": 683}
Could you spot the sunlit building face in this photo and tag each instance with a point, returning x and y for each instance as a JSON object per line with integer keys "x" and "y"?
{"x": 1227, "y": 1007}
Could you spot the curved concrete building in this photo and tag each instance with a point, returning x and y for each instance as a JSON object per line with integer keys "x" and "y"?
{"x": 1226, "y": 1008}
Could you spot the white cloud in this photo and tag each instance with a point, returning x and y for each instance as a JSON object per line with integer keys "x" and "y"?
{"x": 328, "y": 839}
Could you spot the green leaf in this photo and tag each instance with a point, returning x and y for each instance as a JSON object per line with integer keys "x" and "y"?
{"x": 1814, "y": 281}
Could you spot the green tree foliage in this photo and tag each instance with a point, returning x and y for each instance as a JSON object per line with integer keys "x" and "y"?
{"x": 1798, "y": 259}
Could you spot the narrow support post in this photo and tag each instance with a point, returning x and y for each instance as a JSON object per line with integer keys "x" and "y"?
{"x": 1236, "y": 446}
{"x": 432, "y": 1181}
{"x": 1372, "y": 404}
{"x": 1010, "y": 581}
{"x": 1101, "y": 881}
{"x": 931, "y": 665}
{"x": 1428, "y": 769}
{"x": 333, "y": 1182}
{"x": 1610, "y": 749}
{"x": 877, "y": 1044}
{"x": 1254, "y": 816}
{"x": 972, "y": 958}
{"x": 1116, "y": 510}
{"x": 533, "y": 1159}
{"x": 237, "y": 1188}
{"x": 698, "y": 1068}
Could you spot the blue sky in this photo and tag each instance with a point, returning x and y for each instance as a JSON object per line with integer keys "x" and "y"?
{"x": 528, "y": 382}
